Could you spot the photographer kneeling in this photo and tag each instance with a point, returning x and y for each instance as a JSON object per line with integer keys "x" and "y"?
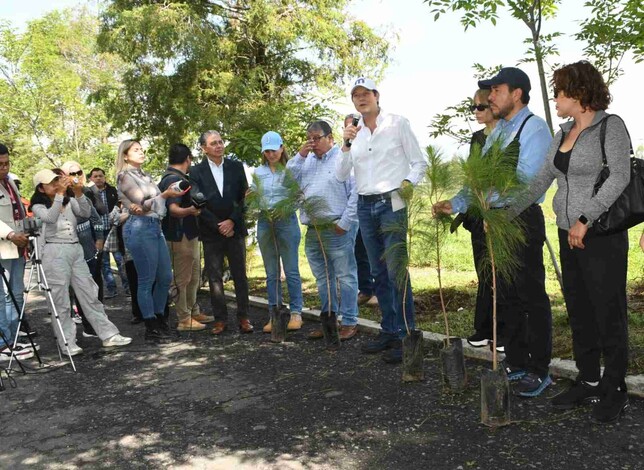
{"x": 63, "y": 260}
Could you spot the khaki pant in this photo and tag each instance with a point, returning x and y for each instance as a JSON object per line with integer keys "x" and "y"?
{"x": 184, "y": 256}
{"x": 64, "y": 265}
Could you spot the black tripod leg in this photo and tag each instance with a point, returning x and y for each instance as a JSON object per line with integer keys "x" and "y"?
{"x": 21, "y": 318}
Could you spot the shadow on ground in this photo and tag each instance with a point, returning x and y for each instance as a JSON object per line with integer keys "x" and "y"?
{"x": 241, "y": 402}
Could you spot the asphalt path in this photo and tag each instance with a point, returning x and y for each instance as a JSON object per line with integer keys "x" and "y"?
{"x": 239, "y": 401}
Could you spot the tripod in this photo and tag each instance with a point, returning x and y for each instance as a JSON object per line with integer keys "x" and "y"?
{"x": 17, "y": 308}
{"x": 37, "y": 268}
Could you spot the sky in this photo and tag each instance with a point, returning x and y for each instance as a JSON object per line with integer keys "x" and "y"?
{"x": 432, "y": 61}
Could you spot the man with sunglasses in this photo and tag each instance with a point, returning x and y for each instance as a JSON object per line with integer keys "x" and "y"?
{"x": 524, "y": 306}
{"x": 387, "y": 161}
{"x": 314, "y": 169}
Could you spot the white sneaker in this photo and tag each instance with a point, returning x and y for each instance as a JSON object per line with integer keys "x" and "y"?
{"x": 18, "y": 353}
{"x": 116, "y": 340}
{"x": 73, "y": 350}
{"x": 28, "y": 345}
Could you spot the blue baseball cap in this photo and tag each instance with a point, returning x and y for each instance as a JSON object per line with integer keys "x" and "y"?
{"x": 271, "y": 141}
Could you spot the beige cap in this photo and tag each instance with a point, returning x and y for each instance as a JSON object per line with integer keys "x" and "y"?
{"x": 44, "y": 177}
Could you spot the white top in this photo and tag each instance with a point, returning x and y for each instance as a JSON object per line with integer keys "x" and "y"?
{"x": 218, "y": 173}
{"x": 382, "y": 160}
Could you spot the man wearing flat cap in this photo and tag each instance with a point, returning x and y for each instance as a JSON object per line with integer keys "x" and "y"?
{"x": 385, "y": 156}
{"x": 524, "y": 306}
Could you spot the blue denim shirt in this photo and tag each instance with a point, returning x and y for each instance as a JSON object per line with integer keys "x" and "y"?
{"x": 534, "y": 142}
{"x": 316, "y": 177}
{"x": 272, "y": 185}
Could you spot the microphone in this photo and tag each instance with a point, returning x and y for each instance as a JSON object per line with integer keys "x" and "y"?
{"x": 182, "y": 185}
{"x": 356, "y": 120}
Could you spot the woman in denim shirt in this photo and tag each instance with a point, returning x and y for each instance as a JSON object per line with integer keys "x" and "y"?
{"x": 278, "y": 238}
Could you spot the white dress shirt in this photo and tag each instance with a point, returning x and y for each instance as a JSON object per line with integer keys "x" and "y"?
{"x": 218, "y": 174}
{"x": 382, "y": 160}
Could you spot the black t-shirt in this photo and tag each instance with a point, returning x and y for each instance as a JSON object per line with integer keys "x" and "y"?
{"x": 173, "y": 227}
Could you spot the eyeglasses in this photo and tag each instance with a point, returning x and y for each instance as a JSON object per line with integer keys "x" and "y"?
{"x": 479, "y": 107}
{"x": 76, "y": 173}
{"x": 317, "y": 138}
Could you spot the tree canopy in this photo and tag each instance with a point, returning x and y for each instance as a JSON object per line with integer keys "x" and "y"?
{"x": 238, "y": 66}
{"x": 47, "y": 74}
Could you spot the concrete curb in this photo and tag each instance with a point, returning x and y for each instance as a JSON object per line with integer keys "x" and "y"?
{"x": 558, "y": 367}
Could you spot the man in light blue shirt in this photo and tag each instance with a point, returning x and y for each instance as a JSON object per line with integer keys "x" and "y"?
{"x": 524, "y": 306}
{"x": 314, "y": 169}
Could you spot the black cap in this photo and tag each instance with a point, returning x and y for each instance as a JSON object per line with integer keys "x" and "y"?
{"x": 513, "y": 76}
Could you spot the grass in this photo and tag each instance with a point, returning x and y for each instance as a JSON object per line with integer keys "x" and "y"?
{"x": 459, "y": 280}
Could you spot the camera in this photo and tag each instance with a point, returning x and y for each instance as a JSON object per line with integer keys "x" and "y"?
{"x": 31, "y": 226}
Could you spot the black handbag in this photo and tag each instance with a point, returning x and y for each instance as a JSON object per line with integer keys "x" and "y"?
{"x": 628, "y": 210}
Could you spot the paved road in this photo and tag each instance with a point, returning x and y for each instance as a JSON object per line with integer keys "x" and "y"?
{"x": 242, "y": 402}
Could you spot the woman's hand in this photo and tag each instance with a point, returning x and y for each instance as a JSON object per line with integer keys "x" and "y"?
{"x": 77, "y": 186}
{"x": 171, "y": 192}
{"x": 576, "y": 235}
{"x": 642, "y": 241}
{"x": 135, "y": 209}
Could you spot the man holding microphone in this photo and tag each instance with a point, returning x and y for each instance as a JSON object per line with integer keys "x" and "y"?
{"x": 385, "y": 157}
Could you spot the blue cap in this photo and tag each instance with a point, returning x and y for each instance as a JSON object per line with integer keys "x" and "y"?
{"x": 271, "y": 141}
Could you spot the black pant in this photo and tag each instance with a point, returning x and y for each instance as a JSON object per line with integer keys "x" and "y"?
{"x": 133, "y": 282}
{"x": 522, "y": 302}
{"x": 234, "y": 249}
{"x": 95, "y": 271}
{"x": 594, "y": 282}
{"x": 483, "y": 309}
{"x": 365, "y": 279}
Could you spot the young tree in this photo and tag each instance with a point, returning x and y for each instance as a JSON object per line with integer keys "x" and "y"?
{"x": 241, "y": 66}
{"x": 613, "y": 30}
{"x": 531, "y": 12}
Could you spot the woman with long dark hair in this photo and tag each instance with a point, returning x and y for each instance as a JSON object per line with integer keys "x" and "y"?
{"x": 144, "y": 238}
{"x": 593, "y": 266}
{"x": 63, "y": 258}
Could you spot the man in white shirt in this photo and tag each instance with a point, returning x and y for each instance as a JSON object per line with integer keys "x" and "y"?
{"x": 385, "y": 156}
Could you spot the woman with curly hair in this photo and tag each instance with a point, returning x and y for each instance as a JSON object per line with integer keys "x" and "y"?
{"x": 593, "y": 266}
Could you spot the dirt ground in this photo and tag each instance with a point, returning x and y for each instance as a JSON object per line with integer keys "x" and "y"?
{"x": 236, "y": 401}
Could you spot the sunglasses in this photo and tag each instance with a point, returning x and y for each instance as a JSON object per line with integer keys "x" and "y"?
{"x": 479, "y": 107}
{"x": 76, "y": 173}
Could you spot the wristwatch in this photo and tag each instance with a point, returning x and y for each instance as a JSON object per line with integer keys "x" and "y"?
{"x": 583, "y": 219}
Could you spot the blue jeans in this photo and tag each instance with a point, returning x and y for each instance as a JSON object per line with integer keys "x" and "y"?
{"x": 15, "y": 270}
{"x": 339, "y": 250}
{"x": 281, "y": 241}
{"x": 145, "y": 241}
{"x": 365, "y": 280}
{"x": 108, "y": 276}
{"x": 384, "y": 236}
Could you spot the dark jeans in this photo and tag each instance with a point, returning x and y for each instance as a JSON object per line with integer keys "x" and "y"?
{"x": 523, "y": 305}
{"x": 594, "y": 282}
{"x": 483, "y": 309}
{"x": 133, "y": 283}
{"x": 384, "y": 236}
{"x": 94, "y": 269}
{"x": 365, "y": 279}
{"x": 234, "y": 249}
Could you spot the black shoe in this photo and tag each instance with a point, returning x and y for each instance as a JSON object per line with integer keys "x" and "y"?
{"x": 25, "y": 333}
{"x": 514, "y": 373}
{"x": 531, "y": 385}
{"x": 581, "y": 393}
{"x": 610, "y": 407}
{"x": 393, "y": 356}
{"x": 478, "y": 340}
{"x": 136, "y": 320}
{"x": 381, "y": 343}
{"x": 154, "y": 333}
